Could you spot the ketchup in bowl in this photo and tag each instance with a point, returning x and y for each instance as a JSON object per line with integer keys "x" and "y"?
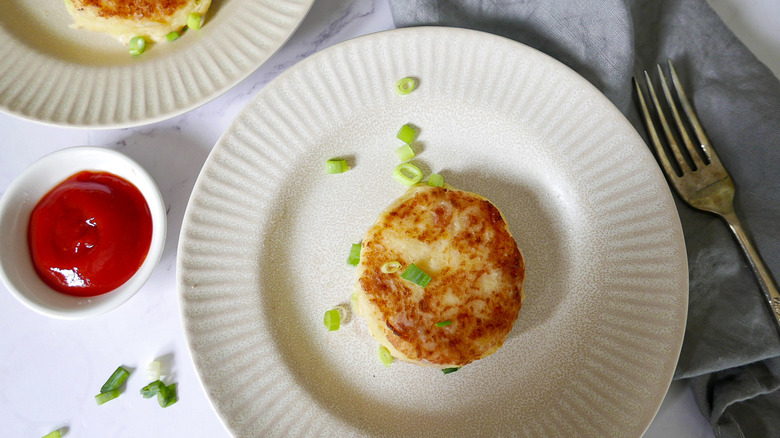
{"x": 89, "y": 234}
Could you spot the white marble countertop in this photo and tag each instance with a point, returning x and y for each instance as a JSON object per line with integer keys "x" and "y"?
{"x": 51, "y": 369}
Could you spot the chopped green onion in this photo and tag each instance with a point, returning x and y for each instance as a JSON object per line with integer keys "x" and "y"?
{"x": 385, "y": 356}
{"x": 336, "y": 166}
{"x": 172, "y": 36}
{"x": 152, "y": 389}
{"x": 137, "y": 45}
{"x": 354, "y": 254}
{"x": 405, "y": 152}
{"x": 416, "y": 275}
{"x": 406, "y": 133}
{"x": 194, "y": 21}
{"x": 106, "y": 396}
{"x": 435, "y": 180}
{"x": 166, "y": 395}
{"x": 153, "y": 370}
{"x": 332, "y": 319}
{"x": 54, "y": 434}
{"x": 390, "y": 267}
{"x": 406, "y": 85}
{"x": 116, "y": 380}
{"x": 443, "y": 323}
{"x": 408, "y": 174}
{"x": 449, "y": 370}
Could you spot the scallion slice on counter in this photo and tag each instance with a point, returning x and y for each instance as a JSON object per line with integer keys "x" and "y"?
{"x": 449, "y": 370}
{"x": 406, "y": 85}
{"x": 137, "y": 45}
{"x": 443, "y": 323}
{"x": 407, "y": 133}
{"x": 435, "y": 180}
{"x": 390, "y": 267}
{"x": 336, "y": 166}
{"x": 194, "y": 21}
{"x": 416, "y": 275}
{"x": 106, "y": 396}
{"x": 332, "y": 319}
{"x": 153, "y": 370}
{"x": 116, "y": 380}
{"x": 53, "y": 434}
{"x": 405, "y": 152}
{"x": 354, "y": 254}
{"x": 407, "y": 174}
{"x": 385, "y": 356}
{"x": 172, "y": 36}
{"x": 166, "y": 395}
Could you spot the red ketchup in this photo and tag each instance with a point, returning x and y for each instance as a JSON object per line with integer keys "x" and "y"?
{"x": 89, "y": 234}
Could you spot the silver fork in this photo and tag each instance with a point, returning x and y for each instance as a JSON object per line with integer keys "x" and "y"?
{"x": 700, "y": 179}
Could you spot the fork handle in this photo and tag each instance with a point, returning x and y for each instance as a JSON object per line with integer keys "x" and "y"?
{"x": 765, "y": 281}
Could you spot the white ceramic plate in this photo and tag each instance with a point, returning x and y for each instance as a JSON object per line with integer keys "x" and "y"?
{"x": 58, "y": 75}
{"x": 267, "y": 232}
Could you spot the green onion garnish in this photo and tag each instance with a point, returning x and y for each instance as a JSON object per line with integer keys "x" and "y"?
{"x": 443, "y": 323}
{"x": 385, "y": 356}
{"x": 153, "y": 370}
{"x": 354, "y": 254}
{"x": 54, "y": 434}
{"x": 106, "y": 396}
{"x": 332, "y": 319}
{"x": 408, "y": 174}
{"x": 137, "y": 45}
{"x": 405, "y": 152}
{"x": 416, "y": 275}
{"x": 435, "y": 180}
{"x": 390, "y": 267}
{"x": 172, "y": 36}
{"x": 336, "y": 166}
{"x": 406, "y": 133}
{"x": 116, "y": 380}
{"x": 166, "y": 395}
{"x": 194, "y": 21}
{"x": 406, "y": 85}
{"x": 449, "y": 370}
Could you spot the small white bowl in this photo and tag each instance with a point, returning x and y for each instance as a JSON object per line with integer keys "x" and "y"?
{"x": 16, "y": 268}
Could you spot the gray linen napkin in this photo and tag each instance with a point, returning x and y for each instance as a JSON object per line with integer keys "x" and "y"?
{"x": 731, "y": 352}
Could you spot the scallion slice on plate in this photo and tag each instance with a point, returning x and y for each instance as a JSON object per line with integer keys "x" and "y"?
{"x": 385, "y": 356}
{"x": 407, "y": 174}
{"x": 354, "y": 254}
{"x": 449, "y": 370}
{"x": 405, "y": 152}
{"x": 336, "y": 166}
{"x": 407, "y": 133}
{"x": 194, "y": 21}
{"x": 406, "y": 85}
{"x": 137, "y": 45}
{"x": 332, "y": 319}
{"x": 435, "y": 180}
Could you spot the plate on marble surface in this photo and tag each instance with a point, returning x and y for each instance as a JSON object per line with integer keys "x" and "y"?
{"x": 57, "y": 75}
{"x": 266, "y": 233}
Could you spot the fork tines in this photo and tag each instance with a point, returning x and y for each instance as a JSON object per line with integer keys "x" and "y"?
{"x": 694, "y": 157}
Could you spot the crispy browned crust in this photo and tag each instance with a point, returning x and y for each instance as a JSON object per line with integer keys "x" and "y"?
{"x": 151, "y": 10}
{"x": 480, "y": 322}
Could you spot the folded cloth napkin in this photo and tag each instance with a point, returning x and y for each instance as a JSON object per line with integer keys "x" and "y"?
{"x": 731, "y": 351}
